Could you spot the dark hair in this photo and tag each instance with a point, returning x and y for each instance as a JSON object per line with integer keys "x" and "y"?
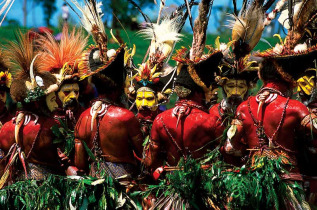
{"x": 104, "y": 84}
{"x": 270, "y": 71}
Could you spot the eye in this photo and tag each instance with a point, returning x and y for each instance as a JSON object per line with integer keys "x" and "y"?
{"x": 53, "y": 99}
{"x": 150, "y": 98}
{"x": 66, "y": 93}
{"x": 76, "y": 92}
{"x": 139, "y": 98}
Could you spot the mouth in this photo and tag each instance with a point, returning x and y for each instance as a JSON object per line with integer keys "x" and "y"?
{"x": 71, "y": 104}
{"x": 235, "y": 99}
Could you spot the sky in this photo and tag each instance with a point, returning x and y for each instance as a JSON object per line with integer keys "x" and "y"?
{"x": 35, "y": 17}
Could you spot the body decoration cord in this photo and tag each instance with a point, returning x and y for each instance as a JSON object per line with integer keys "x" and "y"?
{"x": 261, "y": 132}
{"x": 173, "y": 140}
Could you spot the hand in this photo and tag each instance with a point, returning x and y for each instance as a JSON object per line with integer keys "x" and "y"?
{"x": 65, "y": 161}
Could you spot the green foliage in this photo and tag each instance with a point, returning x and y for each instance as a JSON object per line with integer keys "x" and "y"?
{"x": 258, "y": 186}
{"x": 64, "y": 136}
{"x": 34, "y": 95}
{"x": 58, "y": 192}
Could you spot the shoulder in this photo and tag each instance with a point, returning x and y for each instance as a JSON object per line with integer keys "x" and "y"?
{"x": 297, "y": 108}
{"x": 245, "y": 104}
{"x": 120, "y": 113}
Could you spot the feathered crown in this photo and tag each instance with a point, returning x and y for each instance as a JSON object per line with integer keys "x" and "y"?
{"x": 92, "y": 22}
{"x": 233, "y": 68}
{"x": 163, "y": 36}
{"x": 248, "y": 25}
{"x": 60, "y": 58}
{"x": 303, "y": 23}
{"x": 29, "y": 83}
{"x": 199, "y": 73}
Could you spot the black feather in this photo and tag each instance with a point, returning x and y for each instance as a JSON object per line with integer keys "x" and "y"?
{"x": 235, "y": 10}
{"x": 146, "y": 18}
{"x": 268, "y": 4}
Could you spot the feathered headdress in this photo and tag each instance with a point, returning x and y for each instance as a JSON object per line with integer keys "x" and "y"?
{"x": 92, "y": 22}
{"x": 198, "y": 74}
{"x": 29, "y": 83}
{"x": 60, "y": 58}
{"x": 163, "y": 36}
{"x": 303, "y": 23}
{"x": 232, "y": 68}
{"x": 248, "y": 25}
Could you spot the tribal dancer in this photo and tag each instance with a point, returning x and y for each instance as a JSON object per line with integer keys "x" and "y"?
{"x": 269, "y": 122}
{"x": 154, "y": 79}
{"x": 62, "y": 60}
{"x": 107, "y": 136}
{"x": 175, "y": 131}
{"x": 28, "y": 137}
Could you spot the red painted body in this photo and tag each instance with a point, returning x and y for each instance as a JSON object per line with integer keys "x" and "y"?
{"x": 37, "y": 135}
{"x": 194, "y": 135}
{"x": 119, "y": 136}
{"x": 285, "y": 139}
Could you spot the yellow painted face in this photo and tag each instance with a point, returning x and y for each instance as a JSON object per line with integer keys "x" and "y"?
{"x": 146, "y": 99}
{"x": 51, "y": 101}
{"x": 68, "y": 92}
{"x": 3, "y": 96}
{"x": 306, "y": 84}
{"x": 235, "y": 87}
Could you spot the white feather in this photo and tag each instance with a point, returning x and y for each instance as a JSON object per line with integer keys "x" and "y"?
{"x": 299, "y": 48}
{"x": 90, "y": 17}
{"x": 39, "y": 81}
{"x": 283, "y": 19}
{"x": 111, "y": 53}
{"x": 167, "y": 30}
{"x": 278, "y": 49}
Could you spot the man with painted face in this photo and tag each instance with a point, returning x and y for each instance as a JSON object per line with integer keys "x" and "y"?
{"x": 153, "y": 82}
{"x": 268, "y": 124}
{"x": 111, "y": 132}
{"x": 149, "y": 85}
{"x": 62, "y": 61}
{"x": 235, "y": 86}
{"x": 26, "y": 142}
{"x": 185, "y": 130}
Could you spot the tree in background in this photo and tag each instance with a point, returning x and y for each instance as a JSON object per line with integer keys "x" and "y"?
{"x": 49, "y": 9}
{"x": 124, "y": 10}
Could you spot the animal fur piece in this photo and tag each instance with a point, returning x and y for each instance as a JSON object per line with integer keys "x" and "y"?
{"x": 56, "y": 54}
